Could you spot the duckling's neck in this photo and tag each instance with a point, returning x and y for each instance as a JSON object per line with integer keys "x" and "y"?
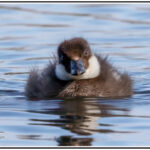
{"x": 91, "y": 72}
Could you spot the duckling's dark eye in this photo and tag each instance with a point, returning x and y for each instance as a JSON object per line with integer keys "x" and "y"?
{"x": 86, "y": 53}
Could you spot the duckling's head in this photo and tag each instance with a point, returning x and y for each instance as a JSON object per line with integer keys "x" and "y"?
{"x": 76, "y": 61}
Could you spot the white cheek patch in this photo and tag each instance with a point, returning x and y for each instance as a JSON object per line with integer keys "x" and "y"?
{"x": 92, "y": 71}
{"x": 61, "y": 73}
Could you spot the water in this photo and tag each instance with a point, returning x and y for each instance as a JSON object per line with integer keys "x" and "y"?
{"x": 30, "y": 34}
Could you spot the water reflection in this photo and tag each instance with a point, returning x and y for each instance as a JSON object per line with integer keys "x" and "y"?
{"x": 70, "y": 141}
{"x": 82, "y": 117}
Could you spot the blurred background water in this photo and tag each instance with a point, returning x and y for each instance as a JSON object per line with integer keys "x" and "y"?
{"x": 29, "y": 36}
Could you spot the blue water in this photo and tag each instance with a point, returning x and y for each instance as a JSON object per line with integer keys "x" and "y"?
{"x": 30, "y": 34}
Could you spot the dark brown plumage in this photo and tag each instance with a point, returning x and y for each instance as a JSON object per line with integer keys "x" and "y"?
{"x": 109, "y": 83}
{"x": 105, "y": 85}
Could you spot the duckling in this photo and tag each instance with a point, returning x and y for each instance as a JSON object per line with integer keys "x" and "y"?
{"x": 77, "y": 72}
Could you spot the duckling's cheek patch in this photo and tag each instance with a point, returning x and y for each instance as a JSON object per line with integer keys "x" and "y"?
{"x": 93, "y": 69}
{"x": 61, "y": 72}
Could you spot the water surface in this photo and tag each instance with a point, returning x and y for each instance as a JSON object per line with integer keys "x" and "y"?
{"x": 29, "y": 36}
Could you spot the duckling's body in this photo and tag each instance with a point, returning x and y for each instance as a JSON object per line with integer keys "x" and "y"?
{"x": 94, "y": 78}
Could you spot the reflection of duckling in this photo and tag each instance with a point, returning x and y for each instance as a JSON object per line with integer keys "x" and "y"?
{"x": 84, "y": 115}
{"x": 70, "y": 141}
{"x": 78, "y": 72}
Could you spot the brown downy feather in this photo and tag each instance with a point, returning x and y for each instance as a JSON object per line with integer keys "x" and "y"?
{"x": 46, "y": 85}
{"x": 43, "y": 84}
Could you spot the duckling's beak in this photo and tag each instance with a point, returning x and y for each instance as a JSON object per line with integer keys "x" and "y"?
{"x": 77, "y": 67}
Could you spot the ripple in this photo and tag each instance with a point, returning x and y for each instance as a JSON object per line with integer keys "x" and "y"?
{"x": 44, "y": 12}
{"x": 38, "y": 25}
